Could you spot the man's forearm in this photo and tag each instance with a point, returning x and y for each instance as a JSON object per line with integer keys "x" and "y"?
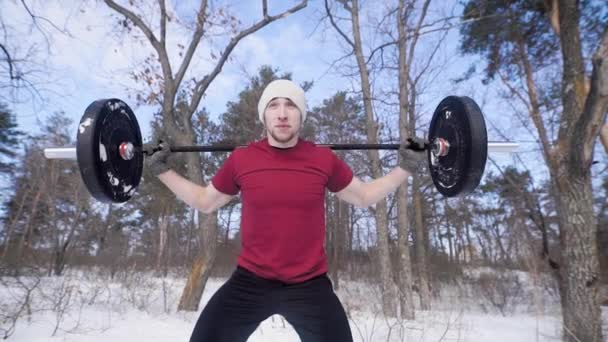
{"x": 185, "y": 190}
{"x": 379, "y": 188}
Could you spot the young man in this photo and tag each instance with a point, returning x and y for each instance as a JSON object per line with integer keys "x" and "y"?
{"x": 282, "y": 265}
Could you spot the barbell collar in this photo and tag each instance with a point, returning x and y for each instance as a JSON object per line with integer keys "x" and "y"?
{"x": 60, "y": 153}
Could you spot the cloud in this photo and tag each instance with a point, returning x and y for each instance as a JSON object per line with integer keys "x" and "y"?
{"x": 95, "y": 61}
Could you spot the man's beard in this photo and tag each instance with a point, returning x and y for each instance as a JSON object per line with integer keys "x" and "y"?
{"x": 282, "y": 140}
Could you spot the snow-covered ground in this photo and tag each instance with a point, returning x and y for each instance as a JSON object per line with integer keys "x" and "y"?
{"x": 141, "y": 307}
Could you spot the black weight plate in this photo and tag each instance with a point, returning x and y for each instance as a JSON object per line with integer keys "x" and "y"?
{"x": 103, "y": 127}
{"x": 459, "y": 121}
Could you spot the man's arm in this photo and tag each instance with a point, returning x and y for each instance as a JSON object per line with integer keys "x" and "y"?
{"x": 206, "y": 199}
{"x": 363, "y": 194}
{"x": 366, "y": 194}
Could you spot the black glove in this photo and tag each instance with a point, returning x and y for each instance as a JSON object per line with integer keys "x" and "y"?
{"x": 157, "y": 157}
{"x": 412, "y": 160}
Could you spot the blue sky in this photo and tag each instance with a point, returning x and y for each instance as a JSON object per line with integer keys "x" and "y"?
{"x": 92, "y": 62}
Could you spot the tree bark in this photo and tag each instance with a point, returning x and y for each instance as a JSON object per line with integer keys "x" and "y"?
{"x": 201, "y": 267}
{"x": 208, "y": 228}
{"x": 62, "y": 249}
{"x": 338, "y": 240}
{"x": 580, "y": 263}
{"x": 163, "y": 225}
{"x": 387, "y": 284}
{"x": 9, "y": 230}
{"x": 420, "y": 242}
{"x": 583, "y": 114}
{"x": 27, "y": 232}
{"x": 404, "y": 274}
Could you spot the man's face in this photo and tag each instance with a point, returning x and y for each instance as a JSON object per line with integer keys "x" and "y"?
{"x": 282, "y": 119}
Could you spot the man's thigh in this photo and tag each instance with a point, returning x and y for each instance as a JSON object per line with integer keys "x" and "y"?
{"x": 234, "y": 311}
{"x": 315, "y": 311}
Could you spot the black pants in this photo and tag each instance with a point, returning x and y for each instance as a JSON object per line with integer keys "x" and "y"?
{"x": 245, "y": 300}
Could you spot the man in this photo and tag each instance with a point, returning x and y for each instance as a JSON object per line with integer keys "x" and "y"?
{"x": 282, "y": 265}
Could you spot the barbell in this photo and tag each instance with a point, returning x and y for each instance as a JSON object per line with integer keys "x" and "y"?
{"x": 110, "y": 155}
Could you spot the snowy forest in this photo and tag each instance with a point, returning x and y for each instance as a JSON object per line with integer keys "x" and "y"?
{"x": 522, "y": 258}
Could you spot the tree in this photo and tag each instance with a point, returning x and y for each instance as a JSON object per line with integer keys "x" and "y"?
{"x": 353, "y": 39}
{"x": 339, "y": 120}
{"x": 22, "y": 61}
{"x": 50, "y": 206}
{"x": 168, "y": 79}
{"x": 389, "y": 51}
{"x": 602, "y": 204}
{"x": 9, "y": 143}
{"x": 524, "y": 42}
{"x": 9, "y": 139}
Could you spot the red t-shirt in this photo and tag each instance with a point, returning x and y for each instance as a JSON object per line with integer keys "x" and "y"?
{"x": 283, "y": 206}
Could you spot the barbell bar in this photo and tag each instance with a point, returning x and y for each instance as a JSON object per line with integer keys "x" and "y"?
{"x": 70, "y": 152}
{"x": 109, "y": 148}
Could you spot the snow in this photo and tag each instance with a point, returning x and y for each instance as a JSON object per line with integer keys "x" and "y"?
{"x": 137, "y": 306}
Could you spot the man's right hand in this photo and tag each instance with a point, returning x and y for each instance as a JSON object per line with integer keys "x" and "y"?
{"x": 157, "y": 161}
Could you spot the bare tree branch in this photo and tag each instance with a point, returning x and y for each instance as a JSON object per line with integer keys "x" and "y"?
{"x": 163, "y": 22}
{"x": 426, "y": 67}
{"x": 136, "y": 20}
{"x": 196, "y": 38}
{"x": 596, "y": 104}
{"x": 381, "y": 49}
{"x": 264, "y": 8}
{"x": 35, "y": 18}
{"x": 202, "y": 85}
{"x": 416, "y": 34}
{"x": 156, "y": 44}
{"x": 513, "y": 90}
{"x": 336, "y": 27}
{"x": 10, "y": 62}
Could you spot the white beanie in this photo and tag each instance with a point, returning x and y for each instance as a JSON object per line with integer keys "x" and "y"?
{"x": 286, "y": 89}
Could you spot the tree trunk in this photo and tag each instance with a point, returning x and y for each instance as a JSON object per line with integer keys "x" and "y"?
{"x": 337, "y": 238}
{"x": 387, "y": 284}
{"x": 330, "y": 243}
{"x": 404, "y": 274}
{"x": 583, "y": 113}
{"x": 203, "y": 263}
{"x": 9, "y": 230}
{"x": 62, "y": 249}
{"x": 421, "y": 247}
{"x": 470, "y": 247}
{"x": 102, "y": 233}
{"x": 448, "y": 234}
{"x": 25, "y": 238}
{"x": 201, "y": 267}
{"x": 579, "y": 268}
{"x": 163, "y": 223}
{"x": 193, "y": 212}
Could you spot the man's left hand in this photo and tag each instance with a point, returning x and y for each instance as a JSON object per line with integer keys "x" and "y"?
{"x": 413, "y": 160}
